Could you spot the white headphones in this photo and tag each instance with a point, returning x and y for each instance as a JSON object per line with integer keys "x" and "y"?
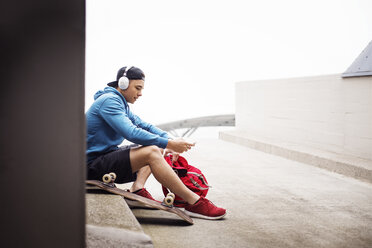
{"x": 124, "y": 81}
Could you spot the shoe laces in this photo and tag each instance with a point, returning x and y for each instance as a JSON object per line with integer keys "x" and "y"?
{"x": 208, "y": 201}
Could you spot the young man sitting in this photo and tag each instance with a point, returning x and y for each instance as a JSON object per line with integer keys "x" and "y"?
{"x": 110, "y": 121}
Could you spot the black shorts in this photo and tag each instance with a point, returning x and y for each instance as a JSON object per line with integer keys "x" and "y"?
{"x": 117, "y": 161}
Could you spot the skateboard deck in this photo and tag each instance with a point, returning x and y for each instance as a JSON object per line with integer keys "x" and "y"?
{"x": 110, "y": 187}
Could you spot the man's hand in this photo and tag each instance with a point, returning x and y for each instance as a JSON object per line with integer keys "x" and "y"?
{"x": 175, "y": 155}
{"x": 179, "y": 145}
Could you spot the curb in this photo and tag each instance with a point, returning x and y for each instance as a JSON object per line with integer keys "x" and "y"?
{"x": 357, "y": 168}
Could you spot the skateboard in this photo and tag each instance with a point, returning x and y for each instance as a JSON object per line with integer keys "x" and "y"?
{"x": 108, "y": 184}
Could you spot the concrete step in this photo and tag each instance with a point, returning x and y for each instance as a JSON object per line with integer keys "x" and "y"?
{"x": 346, "y": 165}
{"x": 111, "y": 223}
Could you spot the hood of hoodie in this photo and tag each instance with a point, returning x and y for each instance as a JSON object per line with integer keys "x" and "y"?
{"x": 110, "y": 90}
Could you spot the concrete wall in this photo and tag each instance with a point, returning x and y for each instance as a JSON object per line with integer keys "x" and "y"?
{"x": 42, "y": 127}
{"x": 324, "y": 112}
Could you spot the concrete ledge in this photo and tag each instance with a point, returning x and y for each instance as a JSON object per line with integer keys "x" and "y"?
{"x": 114, "y": 237}
{"x": 346, "y": 165}
{"x": 111, "y": 223}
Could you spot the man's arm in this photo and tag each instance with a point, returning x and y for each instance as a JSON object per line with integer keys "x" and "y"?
{"x": 113, "y": 112}
{"x": 147, "y": 126}
{"x": 177, "y": 145}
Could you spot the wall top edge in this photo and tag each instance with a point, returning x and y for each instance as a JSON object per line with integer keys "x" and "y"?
{"x": 307, "y": 78}
{"x": 357, "y": 74}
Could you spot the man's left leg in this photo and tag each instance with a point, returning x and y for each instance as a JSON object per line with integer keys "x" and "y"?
{"x": 142, "y": 176}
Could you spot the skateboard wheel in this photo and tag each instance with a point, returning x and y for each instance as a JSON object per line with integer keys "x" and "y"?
{"x": 106, "y": 178}
{"x": 113, "y": 176}
{"x": 168, "y": 201}
{"x": 171, "y": 195}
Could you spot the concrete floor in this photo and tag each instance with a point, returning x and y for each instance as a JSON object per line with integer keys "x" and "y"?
{"x": 271, "y": 202}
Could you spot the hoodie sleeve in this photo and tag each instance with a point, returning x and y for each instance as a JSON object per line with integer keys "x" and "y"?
{"x": 114, "y": 113}
{"x": 147, "y": 126}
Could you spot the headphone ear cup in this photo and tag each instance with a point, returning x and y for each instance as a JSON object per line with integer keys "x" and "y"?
{"x": 123, "y": 83}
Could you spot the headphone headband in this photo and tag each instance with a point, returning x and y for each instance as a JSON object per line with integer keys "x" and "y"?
{"x": 126, "y": 70}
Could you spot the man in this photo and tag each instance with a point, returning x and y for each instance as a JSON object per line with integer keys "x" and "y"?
{"x": 110, "y": 121}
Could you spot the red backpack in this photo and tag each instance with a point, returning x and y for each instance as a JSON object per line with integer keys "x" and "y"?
{"x": 192, "y": 177}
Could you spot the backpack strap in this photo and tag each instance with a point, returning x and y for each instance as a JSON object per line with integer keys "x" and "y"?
{"x": 197, "y": 185}
{"x": 200, "y": 177}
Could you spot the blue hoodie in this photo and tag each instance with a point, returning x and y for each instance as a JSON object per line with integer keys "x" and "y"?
{"x": 109, "y": 122}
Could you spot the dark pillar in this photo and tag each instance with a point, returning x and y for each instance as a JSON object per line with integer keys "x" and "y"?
{"x": 42, "y": 127}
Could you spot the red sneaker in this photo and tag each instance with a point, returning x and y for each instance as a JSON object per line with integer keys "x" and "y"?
{"x": 205, "y": 209}
{"x": 180, "y": 204}
{"x": 141, "y": 192}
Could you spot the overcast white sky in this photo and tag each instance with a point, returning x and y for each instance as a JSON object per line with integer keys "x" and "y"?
{"x": 194, "y": 51}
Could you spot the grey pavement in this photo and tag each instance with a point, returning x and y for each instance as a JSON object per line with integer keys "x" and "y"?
{"x": 271, "y": 202}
